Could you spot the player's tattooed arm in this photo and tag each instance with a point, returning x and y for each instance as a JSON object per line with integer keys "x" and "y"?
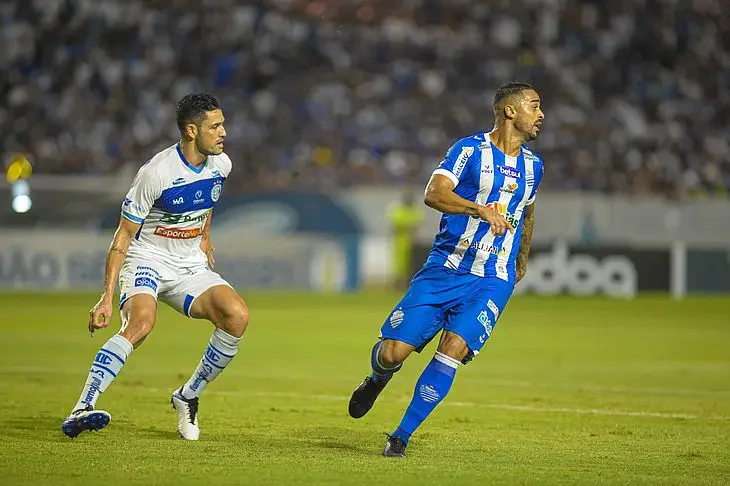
{"x": 100, "y": 314}
{"x": 528, "y": 224}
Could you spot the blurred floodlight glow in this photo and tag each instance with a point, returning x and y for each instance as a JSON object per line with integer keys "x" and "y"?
{"x": 22, "y": 203}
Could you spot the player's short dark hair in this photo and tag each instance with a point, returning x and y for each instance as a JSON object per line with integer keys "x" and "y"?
{"x": 192, "y": 108}
{"x": 506, "y": 91}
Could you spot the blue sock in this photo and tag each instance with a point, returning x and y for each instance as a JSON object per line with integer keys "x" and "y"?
{"x": 381, "y": 373}
{"x": 433, "y": 385}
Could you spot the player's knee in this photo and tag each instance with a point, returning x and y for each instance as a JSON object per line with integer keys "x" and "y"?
{"x": 454, "y": 346}
{"x": 236, "y": 317}
{"x": 394, "y": 353}
{"x": 138, "y": 325}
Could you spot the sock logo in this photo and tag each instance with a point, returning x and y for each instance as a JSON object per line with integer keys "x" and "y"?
{"x": 93, "y": 390}
{"x": 396, "y": 318}
{"x": 212, "y": 355}
{"x": 103, "y": 359}
{"x": 428, "y": 393}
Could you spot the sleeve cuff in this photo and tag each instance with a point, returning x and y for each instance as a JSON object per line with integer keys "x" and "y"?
{"x": 132, "y": 217}
{"x": 448, "y": 174}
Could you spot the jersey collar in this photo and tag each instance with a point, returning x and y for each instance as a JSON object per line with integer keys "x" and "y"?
{"x": 190, "y": 166}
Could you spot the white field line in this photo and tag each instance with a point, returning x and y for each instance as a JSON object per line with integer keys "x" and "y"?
{"x": 500, "y": 406}
{"x": 338, "y": 398}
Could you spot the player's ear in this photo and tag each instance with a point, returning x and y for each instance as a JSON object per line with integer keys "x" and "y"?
{"x": 191, "y": 130}
{"x": 509, "y": 111}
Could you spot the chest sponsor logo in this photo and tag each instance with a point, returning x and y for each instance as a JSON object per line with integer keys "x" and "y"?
{"x": 178, "y": 234}
{"x": 510, "y": 172}
{"x": 178, "y": 181}
{"x": 509, "y": 188}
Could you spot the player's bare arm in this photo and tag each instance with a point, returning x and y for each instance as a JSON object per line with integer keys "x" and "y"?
{"x": 528, "y": 223}
{"x": 205, "y": 244}
{"x": 101, "y": 313}
{"x": 440, "y": 196}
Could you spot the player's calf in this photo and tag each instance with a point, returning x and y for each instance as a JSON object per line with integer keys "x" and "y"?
{"x": 433, "y": 385}
{"x": 386, "y": 358}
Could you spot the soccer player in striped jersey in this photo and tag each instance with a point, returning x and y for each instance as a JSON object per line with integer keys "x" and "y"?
{"x": 162, "y": 250}
{"x": 485, "y": 187}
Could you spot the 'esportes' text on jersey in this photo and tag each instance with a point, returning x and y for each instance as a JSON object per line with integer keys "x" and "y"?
{"x": 171, "y": 199}
{"x": 484, "y": 174}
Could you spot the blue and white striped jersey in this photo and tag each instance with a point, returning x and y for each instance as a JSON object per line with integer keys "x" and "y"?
{"x": 484, "y": 174}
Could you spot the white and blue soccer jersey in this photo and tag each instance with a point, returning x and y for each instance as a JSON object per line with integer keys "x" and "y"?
{"x": 171, "y": 199}
{"x": 484, "y": 174}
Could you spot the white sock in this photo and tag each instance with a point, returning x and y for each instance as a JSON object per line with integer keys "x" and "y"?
{"x": 107, "y": 365}
{"x": 221, "y": 350}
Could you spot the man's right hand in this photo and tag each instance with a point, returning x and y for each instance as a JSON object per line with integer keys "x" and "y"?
{"x": 100, "y": 315}
{"x": 497, "y": 223}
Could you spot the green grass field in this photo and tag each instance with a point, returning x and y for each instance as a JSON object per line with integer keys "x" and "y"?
{"x": 567, "y": 391}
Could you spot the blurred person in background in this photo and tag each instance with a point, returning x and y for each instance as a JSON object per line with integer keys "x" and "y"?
{"x": 405, "y": 218}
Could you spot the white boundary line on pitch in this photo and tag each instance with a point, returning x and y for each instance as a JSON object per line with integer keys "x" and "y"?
{"x": 447, "y": 403}
{"x": 500, "y": 406}
{"x": 637, "y": 390}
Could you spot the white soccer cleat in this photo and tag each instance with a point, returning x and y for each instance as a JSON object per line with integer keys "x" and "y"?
{"x": 187, "y": 415}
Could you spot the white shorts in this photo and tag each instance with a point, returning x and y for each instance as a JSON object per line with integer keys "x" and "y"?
{"x": 177, "y": 287}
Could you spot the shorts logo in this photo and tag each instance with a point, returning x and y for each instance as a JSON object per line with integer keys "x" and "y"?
{"x": 178, "y": 234}
{"x": 145, "y": 282}
{"x": 461, "y": 160}
{"x": 429, "y": 394}
{"x": 485, "y": 321}
{"x": 510, "y": 172}
{"x": 493, "y": 307}
{"x": 215, "y": 193}
{"x": 396, "y": 318}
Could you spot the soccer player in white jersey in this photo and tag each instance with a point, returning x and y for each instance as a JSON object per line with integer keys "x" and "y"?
{"x": 485, "y": 187}
{"x": 162, "y": 250}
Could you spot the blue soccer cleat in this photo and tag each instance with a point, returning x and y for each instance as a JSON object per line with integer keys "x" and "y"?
{"x": 85, "y": 419}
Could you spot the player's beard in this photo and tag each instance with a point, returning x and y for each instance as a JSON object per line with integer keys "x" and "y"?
{"x": 213, "y": 150}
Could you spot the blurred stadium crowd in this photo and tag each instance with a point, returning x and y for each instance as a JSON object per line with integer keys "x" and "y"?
{"x": 320, "y": 93}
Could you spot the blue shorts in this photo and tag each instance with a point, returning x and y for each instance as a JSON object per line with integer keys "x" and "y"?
{"x": 439, "y": 298}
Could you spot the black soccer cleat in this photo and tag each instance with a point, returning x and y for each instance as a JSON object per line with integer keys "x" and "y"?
{"x": 85, "y": 419}
{"x": 395, "y": 447}
{"x": 364, "y": 396}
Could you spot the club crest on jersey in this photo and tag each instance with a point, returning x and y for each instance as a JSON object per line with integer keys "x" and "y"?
{"x": 215, "y": 193}
{"x": 510, "y": 172}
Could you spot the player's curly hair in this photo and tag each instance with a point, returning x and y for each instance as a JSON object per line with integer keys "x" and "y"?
{"x": 506, "y": 91}
{"x": 192, "y": 108}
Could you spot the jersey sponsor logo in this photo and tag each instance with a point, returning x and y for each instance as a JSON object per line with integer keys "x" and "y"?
{"x": 509, "y": 188}
{"x": 179, "y": 200}
{"x": 178, "y": 234}
{"x": 198, "y": 197}
{"x": 178, "y": 181}
{"x": 170, "y": 218}
{"x": 145, "y": 282}
{"x": 215, "y": 193}
{"x": 481, "y": 246}
{"x": 502, "y": 209}
{"x": 461, "y": 160}
{"x": 510, "y": 172}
